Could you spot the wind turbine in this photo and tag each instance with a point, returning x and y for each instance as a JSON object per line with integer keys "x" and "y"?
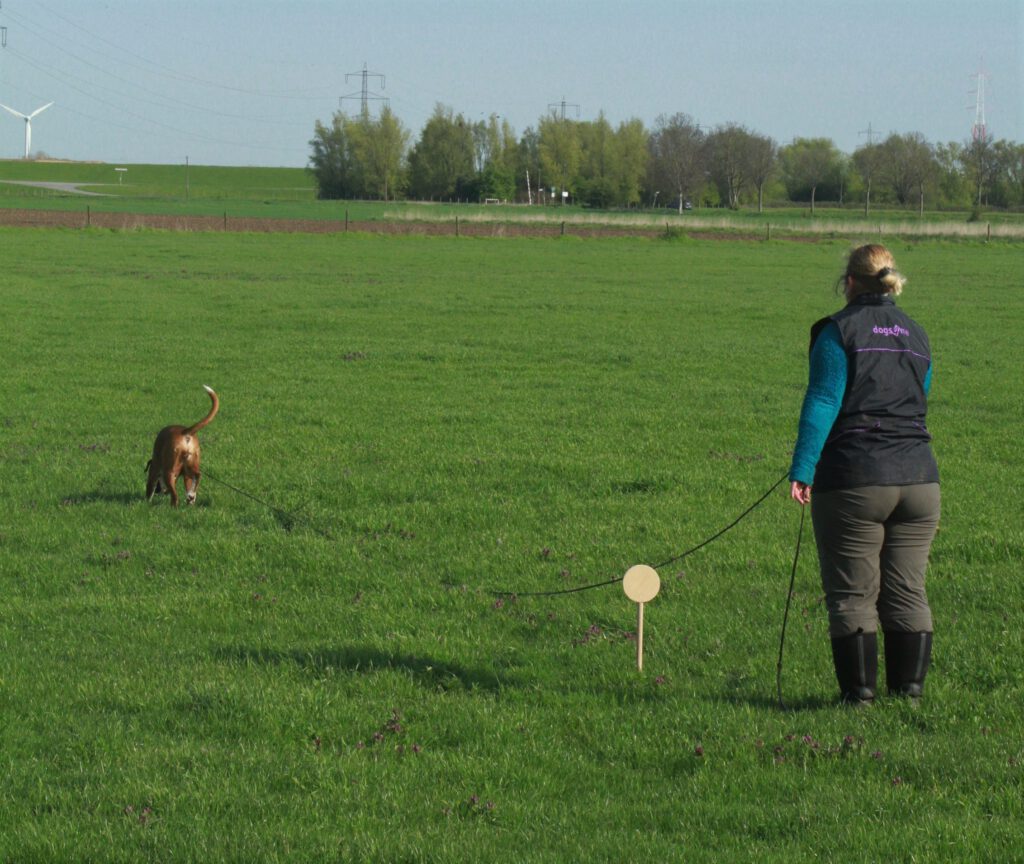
{"x": 28, "y": 123}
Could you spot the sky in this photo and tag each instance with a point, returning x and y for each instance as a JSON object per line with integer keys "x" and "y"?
{"x": 225, "y": 82}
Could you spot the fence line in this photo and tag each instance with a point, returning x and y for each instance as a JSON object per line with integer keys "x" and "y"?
{"x": 494, "y": 224}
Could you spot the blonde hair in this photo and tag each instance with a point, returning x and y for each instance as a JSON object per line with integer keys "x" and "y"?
{"x": 872, "y": 270}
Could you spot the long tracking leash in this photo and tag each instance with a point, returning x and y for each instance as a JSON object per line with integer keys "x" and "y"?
{"x": 290, "y": 517}
{"x": 785, "y": 616}
{"x": 665, "y": 563}
{"x": 287, "y": 517}
{"x": 690, "y": 551}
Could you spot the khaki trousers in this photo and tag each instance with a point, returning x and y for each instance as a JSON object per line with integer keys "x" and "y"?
{"x": 873, "y": 545}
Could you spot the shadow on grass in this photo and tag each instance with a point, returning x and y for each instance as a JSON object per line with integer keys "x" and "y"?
{"x": 770, "y": 702}
{"x": 426, "y": 671}
{"x": 99, "y": 497}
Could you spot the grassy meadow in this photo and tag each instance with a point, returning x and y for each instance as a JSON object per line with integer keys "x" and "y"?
{"x": 435, "y": 419}
{"x": 202, "y": 182}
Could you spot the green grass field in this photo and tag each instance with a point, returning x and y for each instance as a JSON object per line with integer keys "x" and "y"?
{"x": 165, "y": 181}
{"x": 435, "y": 418}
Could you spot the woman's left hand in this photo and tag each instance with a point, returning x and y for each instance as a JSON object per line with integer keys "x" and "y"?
{"x": 800, "y": 492}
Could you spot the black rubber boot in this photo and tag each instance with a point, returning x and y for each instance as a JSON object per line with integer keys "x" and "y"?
{"x": 907, "y": 657}
{"x": 856, "y": 661}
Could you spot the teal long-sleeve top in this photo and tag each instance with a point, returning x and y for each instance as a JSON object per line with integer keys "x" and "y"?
{"x": 825, "y": 388}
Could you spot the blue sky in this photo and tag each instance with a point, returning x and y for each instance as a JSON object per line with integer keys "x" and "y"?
{"x": 241, "y": 83}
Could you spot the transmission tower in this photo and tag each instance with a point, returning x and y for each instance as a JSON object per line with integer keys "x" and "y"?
{"x": 870, "y": 133}
{"x": 554, "y": 106}
{"x": 364, "y": 95}
{"x": 979, "y": 131}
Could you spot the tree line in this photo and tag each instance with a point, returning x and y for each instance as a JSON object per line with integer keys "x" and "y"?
{"x": 678, "y": 164}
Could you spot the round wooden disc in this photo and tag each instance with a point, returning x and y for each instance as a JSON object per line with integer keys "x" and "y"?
{"x": 641, "y": 583}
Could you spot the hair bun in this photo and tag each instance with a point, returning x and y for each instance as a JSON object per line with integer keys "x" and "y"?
{"x": 885, "y": 271}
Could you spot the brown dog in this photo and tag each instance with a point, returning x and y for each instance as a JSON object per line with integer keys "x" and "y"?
{"x": 176, "y": 452}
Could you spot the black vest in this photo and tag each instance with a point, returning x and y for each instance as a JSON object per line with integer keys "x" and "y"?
{"x": 879, "y": 437}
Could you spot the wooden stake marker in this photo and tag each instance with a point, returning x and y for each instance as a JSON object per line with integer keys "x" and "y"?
{"x": 641, "y": 584}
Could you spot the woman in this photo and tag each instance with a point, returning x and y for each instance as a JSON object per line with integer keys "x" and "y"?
{"x": 864, "y": 449}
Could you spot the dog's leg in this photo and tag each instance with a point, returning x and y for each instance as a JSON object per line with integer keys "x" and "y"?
{"x": 170, "y": 481}
{"x": 190, "y": 468}
{"x": 152, "y": 480}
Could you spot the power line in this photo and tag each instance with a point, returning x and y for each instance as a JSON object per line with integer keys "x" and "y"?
{"x": 128, "y": 113}
{"x": 163, "y": 101}
{"x": 75, "y": 81}
{"x": 155, "y": 68}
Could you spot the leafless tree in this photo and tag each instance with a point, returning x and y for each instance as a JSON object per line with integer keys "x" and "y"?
{"x": 762, "y": 156}
{"x": 909, "y": 164}
{"x": 677, "y": 157}
{"x": 867, "y": 161}
{"x": 979, "y": 164}
{"x": 727, "y": 159}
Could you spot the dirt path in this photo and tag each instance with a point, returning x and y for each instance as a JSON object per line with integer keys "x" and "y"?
{"x": 69, "y": 188}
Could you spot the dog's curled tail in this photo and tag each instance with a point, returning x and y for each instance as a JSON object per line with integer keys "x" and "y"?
{"x": 195, "y": 427}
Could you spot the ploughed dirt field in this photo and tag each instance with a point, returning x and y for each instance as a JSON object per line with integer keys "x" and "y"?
{"x": 129, "y": 221}
{"x": 132, "y": 221}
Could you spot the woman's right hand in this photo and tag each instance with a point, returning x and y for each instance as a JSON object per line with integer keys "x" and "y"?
{"x": 800, "y": 492}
